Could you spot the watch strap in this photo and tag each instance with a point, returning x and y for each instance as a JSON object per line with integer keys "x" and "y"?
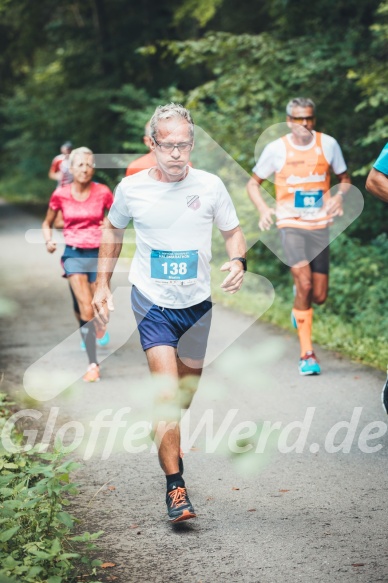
{"x": 242, "y": 260}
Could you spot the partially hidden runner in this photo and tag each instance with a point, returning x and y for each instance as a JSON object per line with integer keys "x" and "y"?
{"x": 173, "y": 208}
{"x": 60, "y": 166}
{"x": 83, "y": 204}
{"x": 301, "y": 163}
{"x": 147, "y": 160}
{"x": 59, "y": 171}
{"x": 377, "y": 184}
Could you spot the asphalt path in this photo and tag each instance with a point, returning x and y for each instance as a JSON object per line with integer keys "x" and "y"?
{"x": 305, "y": 503}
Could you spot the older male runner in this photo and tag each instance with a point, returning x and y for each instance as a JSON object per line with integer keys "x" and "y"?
{"x": 173, "y": 208}
{"x": 301, "y": 162}
{"x": 146, "y": 161}
{"x": 377, "y": 184}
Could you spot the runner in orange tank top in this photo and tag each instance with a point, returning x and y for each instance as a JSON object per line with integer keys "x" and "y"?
{"x": 301, "y": 163}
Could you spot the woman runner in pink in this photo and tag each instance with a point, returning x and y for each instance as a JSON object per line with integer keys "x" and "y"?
{"x": 83, "y": 204}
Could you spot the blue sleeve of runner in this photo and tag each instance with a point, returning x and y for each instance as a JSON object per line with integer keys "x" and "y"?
{"x": 381, "y": 163}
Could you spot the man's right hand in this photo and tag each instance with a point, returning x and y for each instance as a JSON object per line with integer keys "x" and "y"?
{"x": 102, "y": 304}
{"x": 266, "y": 220}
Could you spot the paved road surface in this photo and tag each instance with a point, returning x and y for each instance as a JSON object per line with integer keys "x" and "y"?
{"x": 272, "y": 517}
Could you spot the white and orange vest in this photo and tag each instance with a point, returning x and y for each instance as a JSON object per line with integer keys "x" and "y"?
{"x": 302, "y": 187}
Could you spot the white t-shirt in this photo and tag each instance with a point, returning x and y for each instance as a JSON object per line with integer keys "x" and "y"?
{"x": 273, "y": 156}
{"x": 173, "y": 223}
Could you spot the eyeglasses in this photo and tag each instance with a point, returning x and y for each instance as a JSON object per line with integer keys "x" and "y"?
{"x": 169, "y": 148}
{"x": 82, "y": 165}
{"x": 302, "y": 119}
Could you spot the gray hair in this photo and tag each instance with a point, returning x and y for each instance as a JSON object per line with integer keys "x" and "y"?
{"x": 147, "y": 129}
{"x": 170, "y": 111}
{"x": 77, "y": 152}
{"x": 299, "y": 102}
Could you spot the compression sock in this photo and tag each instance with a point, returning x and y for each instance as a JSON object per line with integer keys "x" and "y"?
{"x": 304, "y": 321}
{"x": 174, "y": 480}
{"x": 88, "y": 333}
{"x": 75, "y": 303}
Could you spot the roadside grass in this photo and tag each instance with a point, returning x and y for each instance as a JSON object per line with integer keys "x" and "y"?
{"x": 329, "y": 330}
{"x": 20, "y": 189}
{"x": 38, "y": 543}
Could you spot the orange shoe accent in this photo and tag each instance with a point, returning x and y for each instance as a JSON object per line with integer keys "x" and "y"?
{"x": 186, "y": 515}
{"x": 178, "y": 496}
{"x": 92, "y": 375}
{"x": 178, "y": 505}
{"x": 304, "y": 321}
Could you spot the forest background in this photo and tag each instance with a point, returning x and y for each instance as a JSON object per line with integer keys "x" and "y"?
{"x": 93, "y": 72}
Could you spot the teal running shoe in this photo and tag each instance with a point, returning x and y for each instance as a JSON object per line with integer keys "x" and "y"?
{"x": 308, "y": 365}
{"x": 104, "y": 341}
{"x": 384, "y": 395}
{"x": 293, "y": 319}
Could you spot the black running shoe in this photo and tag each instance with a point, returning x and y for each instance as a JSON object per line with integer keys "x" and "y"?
{"x": 181, "y": 466}
{"x": 178, "y": 505}
{"x": 384, "y": 396}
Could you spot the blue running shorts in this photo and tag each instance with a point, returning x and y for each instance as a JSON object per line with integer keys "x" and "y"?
{"x": 77, "y": 260}
{"x": 186, "y": 329}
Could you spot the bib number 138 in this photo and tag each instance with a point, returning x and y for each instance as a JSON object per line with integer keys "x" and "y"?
{"x": 174, "y": 267}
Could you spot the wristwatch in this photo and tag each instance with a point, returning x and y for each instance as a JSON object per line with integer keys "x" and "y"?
{"x": 243, "y": 261}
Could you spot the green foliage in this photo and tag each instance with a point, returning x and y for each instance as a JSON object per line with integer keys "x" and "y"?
{"x": 66, "y": 69}
{"x": 36, "y": 541}
{"x": 250, "y": 78}
{"x": 253, "y": 77}
{"x": 41, "y": 117}
{"x": 358, "y": 284}
{"x": 14, "y": 188}
{"x": 134, "y": 108}
{"x": 200, "y": 10}
{"x": 373, "y": 82}
{"x": 77, "y": 71}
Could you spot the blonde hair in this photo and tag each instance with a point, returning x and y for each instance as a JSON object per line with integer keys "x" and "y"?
{"x": 77, "y": 152}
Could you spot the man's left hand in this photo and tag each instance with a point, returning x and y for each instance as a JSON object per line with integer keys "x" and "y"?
{"x": 234, "y": 280}
{"x": 333, "y": 207}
